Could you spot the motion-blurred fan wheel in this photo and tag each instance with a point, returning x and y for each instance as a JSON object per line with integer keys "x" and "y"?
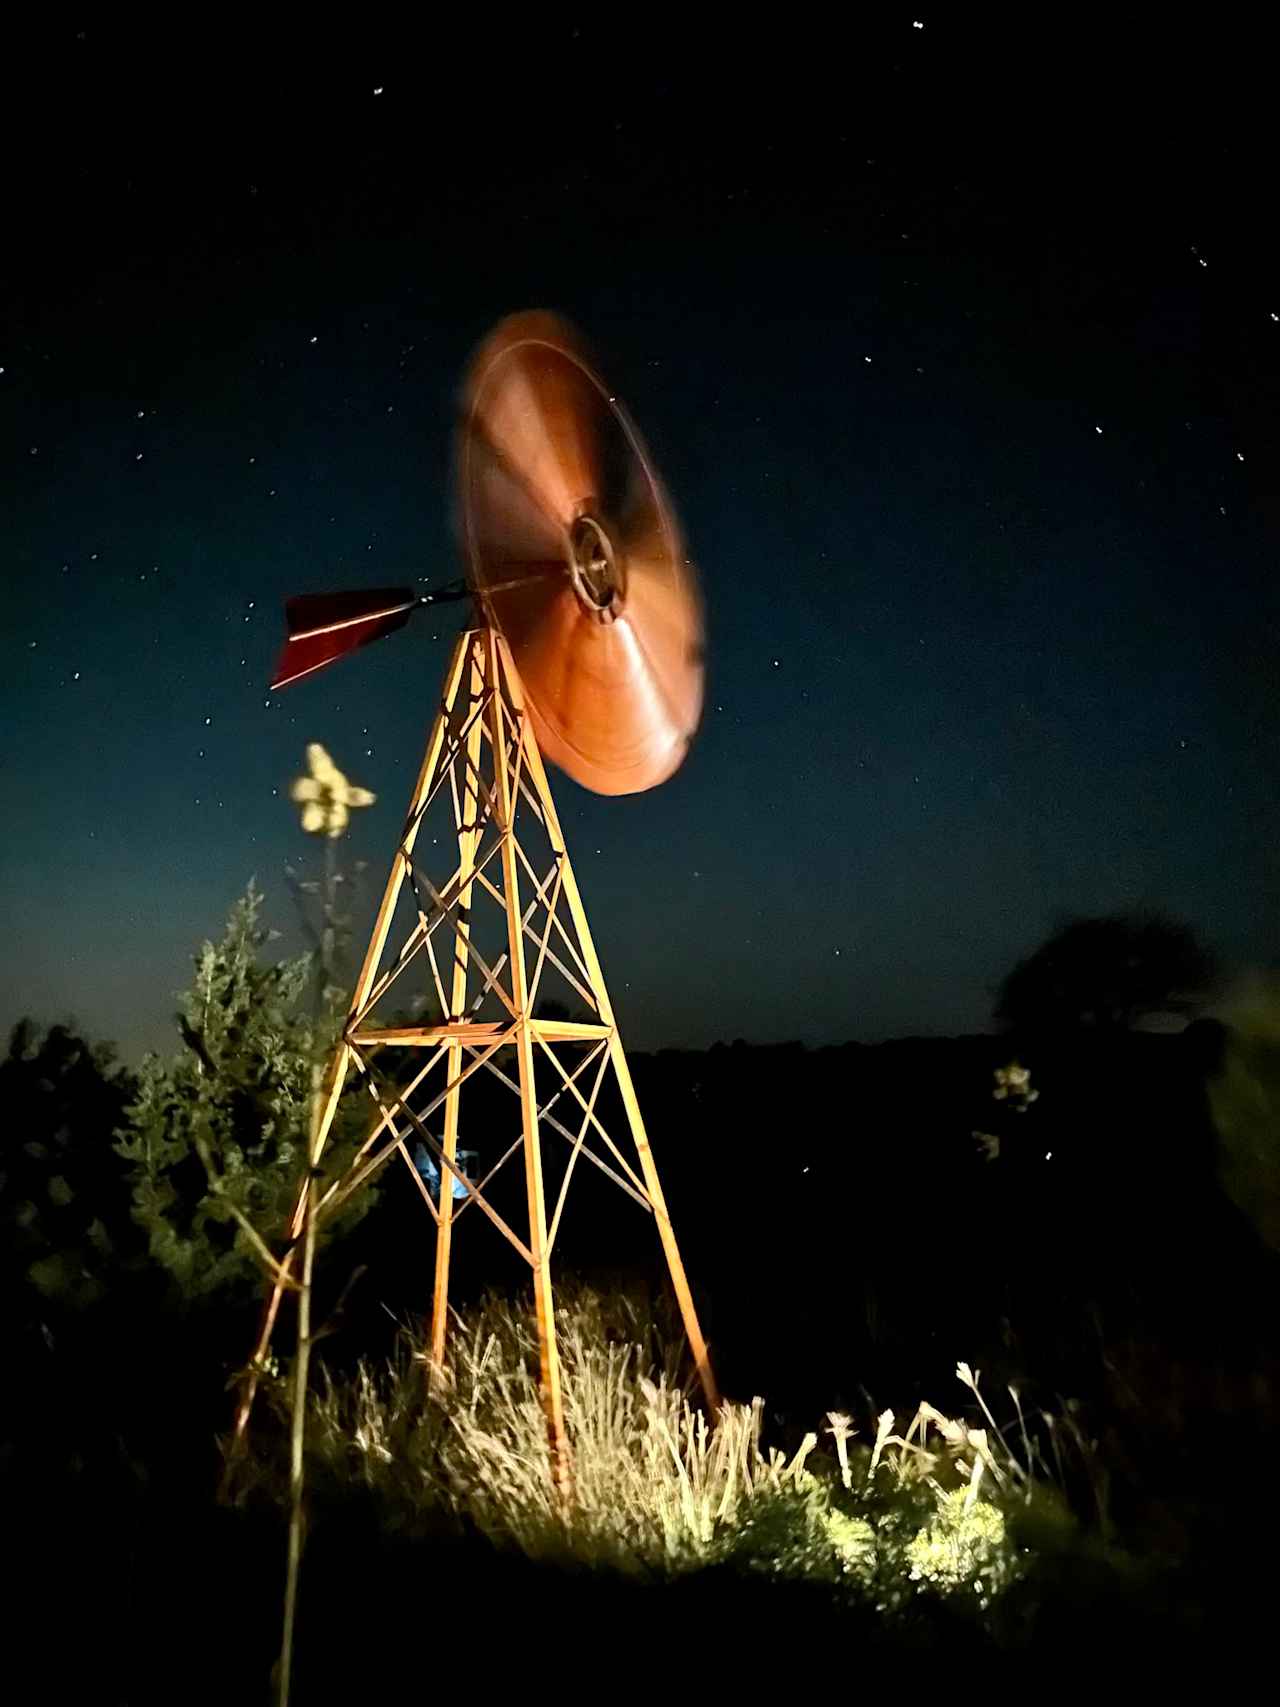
{"x": 575, "y": 557}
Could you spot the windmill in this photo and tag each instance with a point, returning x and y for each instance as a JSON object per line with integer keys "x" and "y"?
{"x": 585, "y": 652}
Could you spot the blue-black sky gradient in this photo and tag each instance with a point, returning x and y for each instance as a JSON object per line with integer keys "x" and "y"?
{"x": 958, "y": 351}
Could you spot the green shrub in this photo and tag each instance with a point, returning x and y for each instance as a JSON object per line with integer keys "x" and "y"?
{"x": 215, "y": 1139}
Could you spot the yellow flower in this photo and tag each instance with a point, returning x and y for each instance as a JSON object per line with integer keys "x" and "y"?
{"x": 1014, "y": 1082}
{"x": 326, "y": 797}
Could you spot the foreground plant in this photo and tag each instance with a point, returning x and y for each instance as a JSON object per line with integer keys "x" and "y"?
{"x": 215, "y": 1139}
{"x": 659, "y": 1489}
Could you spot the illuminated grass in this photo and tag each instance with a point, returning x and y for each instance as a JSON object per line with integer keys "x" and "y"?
{"x": 931, "y": 1511}
{"x": 657, "y": 1488}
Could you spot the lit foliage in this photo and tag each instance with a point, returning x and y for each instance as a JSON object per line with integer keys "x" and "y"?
{"x": 852, "y": 1539}
{"x": 1013, "y": 1084}
{"x": 963, "y": 1544}
{"x": 913, "y": 1522}
{"x": 1013, "y": 1088}
{"x": 658, "y": 1490}
{"x": 215, "y": 1140}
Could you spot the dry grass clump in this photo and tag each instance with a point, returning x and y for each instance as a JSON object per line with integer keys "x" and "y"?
{"x": 658, "y": 1489}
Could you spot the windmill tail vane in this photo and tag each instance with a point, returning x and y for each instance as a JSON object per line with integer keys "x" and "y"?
{"x": 323, "y": 627}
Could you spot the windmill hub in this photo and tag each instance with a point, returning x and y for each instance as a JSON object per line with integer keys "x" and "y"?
{"x": 597, "y": 577}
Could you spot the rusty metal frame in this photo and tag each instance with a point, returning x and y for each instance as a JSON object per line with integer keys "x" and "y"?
{"x": 483, "y": 749}
{"x": 554, "y": 1228}
{"x": 634, "y": 1191}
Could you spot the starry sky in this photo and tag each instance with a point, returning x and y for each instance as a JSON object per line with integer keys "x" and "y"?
{"x": 958, "y": 348}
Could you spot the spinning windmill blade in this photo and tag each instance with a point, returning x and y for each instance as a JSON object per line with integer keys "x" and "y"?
{"x": 574, "y": 556}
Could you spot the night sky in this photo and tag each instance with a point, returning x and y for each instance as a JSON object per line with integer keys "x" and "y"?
{"x": 957, "y": 346}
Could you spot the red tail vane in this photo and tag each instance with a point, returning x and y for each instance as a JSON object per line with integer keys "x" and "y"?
{"x": 324, "y": 627}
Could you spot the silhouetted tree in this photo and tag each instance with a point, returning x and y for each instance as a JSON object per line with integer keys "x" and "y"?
{"x": 64, "y": 1196}
{"x": 1107, "y": 973}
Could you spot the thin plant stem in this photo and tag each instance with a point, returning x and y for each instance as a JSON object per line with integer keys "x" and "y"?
{"x": 297, "y": 1458}
{"x": 302, "y": 1361}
